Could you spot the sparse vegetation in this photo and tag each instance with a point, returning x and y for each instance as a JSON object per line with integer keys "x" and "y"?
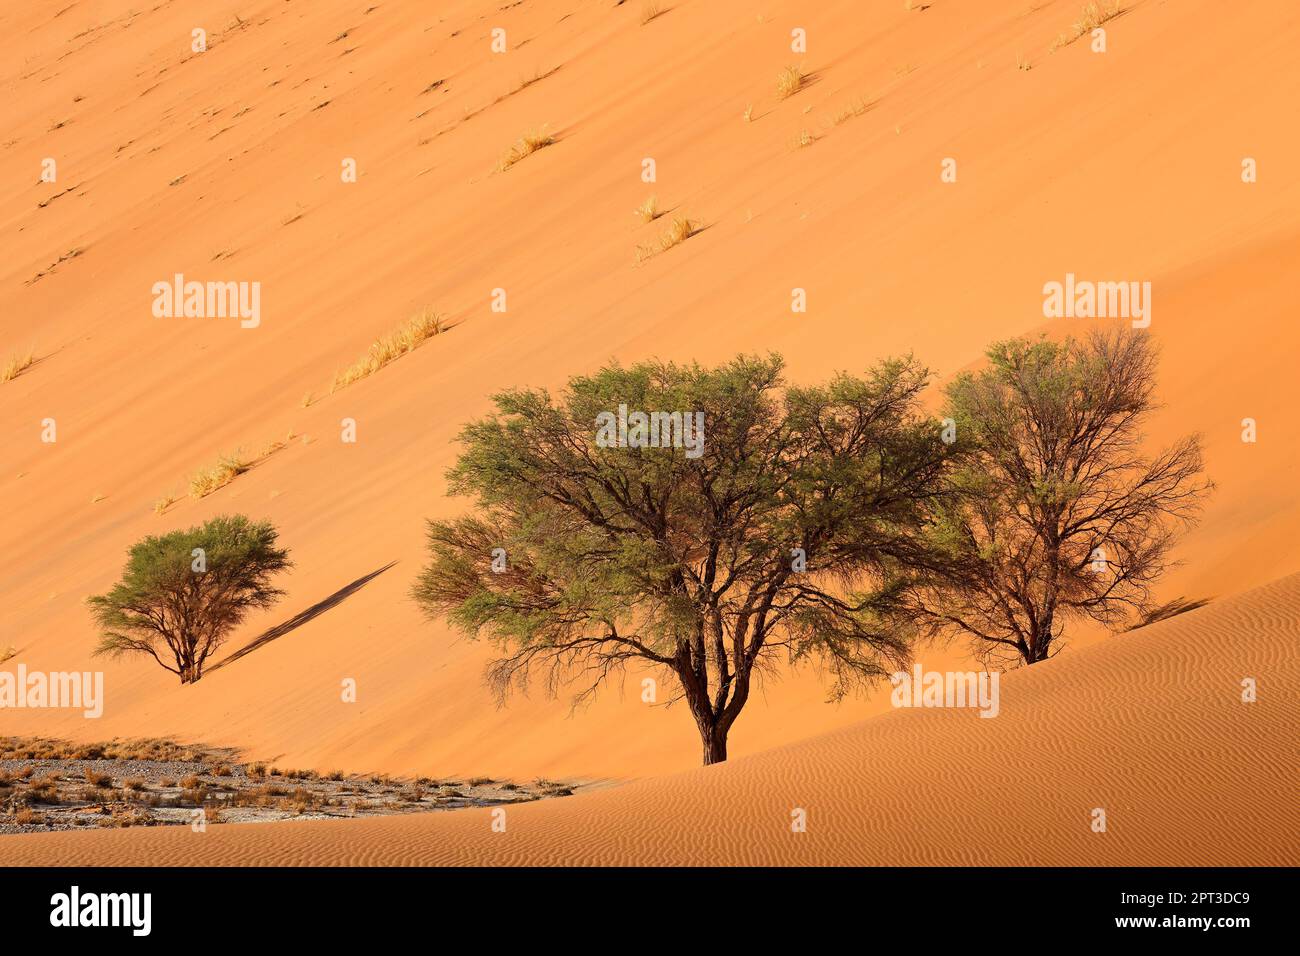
{"x": 76, "y": 782}
{"x": 854, "y": 108}
{"x": 525, "y": 146}
{"x": 789, "y": 82}
{"x": 227, "y": 469}
{"x": 1092, "y": 16}
{"x": 43, "y": 791}
{"x": 391, "y": 347}
{"x": 681, "y": 230}
{"x": 39, "y": 748}
{"x": 648, "y": 211}
{"x": 16, "y": 365}
{"x": 97, "y": 779}
{"x": 168, "y": 609}
{"x": 649, "y": 10}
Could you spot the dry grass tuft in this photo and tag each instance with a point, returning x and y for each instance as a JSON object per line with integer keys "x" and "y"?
{"x": 854, "y": 108}
{"x": 389, "y": 348}
{"x": 648, "y": 211}
{"x": 226, "y": 470}
{"x": 681, "y": 230}
{"x": 97, "y": 779}
{"x": 16, "y": 365}
{"x": 789, "y": 81}
{"x": 1092, "y": 16}
{"x": 649, "y": 10}
{"x": 526, "y": 145}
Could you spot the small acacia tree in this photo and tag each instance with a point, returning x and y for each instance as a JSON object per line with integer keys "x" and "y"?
{"x": 182, "y": 594}
{"x": 1051, "y": 510}
{"x": 784, "y": 531}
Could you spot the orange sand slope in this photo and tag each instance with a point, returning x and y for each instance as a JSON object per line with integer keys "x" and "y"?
{"x": 225, "y": 166}
{"x": 1150, "y": 727}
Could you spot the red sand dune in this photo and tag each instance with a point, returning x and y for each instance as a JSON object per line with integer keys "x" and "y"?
{"x": 225, "y": 165}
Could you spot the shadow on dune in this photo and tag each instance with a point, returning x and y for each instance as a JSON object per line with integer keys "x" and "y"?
{"x": 302, "y": 617}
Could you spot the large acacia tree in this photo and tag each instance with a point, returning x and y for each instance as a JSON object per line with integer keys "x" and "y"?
{"x": 787, "y": 532}
{"x": 1053, "y": 508}
{"x": 183, "y": 593}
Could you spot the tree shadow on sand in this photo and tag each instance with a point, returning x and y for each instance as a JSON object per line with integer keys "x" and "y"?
{"x": 302, "y": 617}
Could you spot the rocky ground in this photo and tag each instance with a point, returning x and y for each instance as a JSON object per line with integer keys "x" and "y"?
{"x": 54, "y": 785}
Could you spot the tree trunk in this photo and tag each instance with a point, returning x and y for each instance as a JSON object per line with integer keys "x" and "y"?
{"x": 1041, "y": 643}
{"x": 715, "y": 745}
{"x": 695, "y": 690}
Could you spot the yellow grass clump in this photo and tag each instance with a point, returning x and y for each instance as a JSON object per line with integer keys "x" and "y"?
{"x": 16, "y": 365}
{"x": 1092, "y": 16}
{"x": 526, "y": 145}
{"x": 788, "y": 82}
{"x": 389, "y": 348}
{"x": 649, "y": 10}
{"x": 226, "y": 470}
{"x": 681, "y": 230}
{"x": 648, "y": 211}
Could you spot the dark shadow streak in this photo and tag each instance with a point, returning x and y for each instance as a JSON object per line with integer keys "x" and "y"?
{"x": 301, "y": 618}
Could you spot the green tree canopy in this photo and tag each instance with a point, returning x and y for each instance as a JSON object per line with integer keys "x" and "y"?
{"x": 1052, "y": 510}
{"x": 181, "y": 594}
{"x": 787, "y": 531}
